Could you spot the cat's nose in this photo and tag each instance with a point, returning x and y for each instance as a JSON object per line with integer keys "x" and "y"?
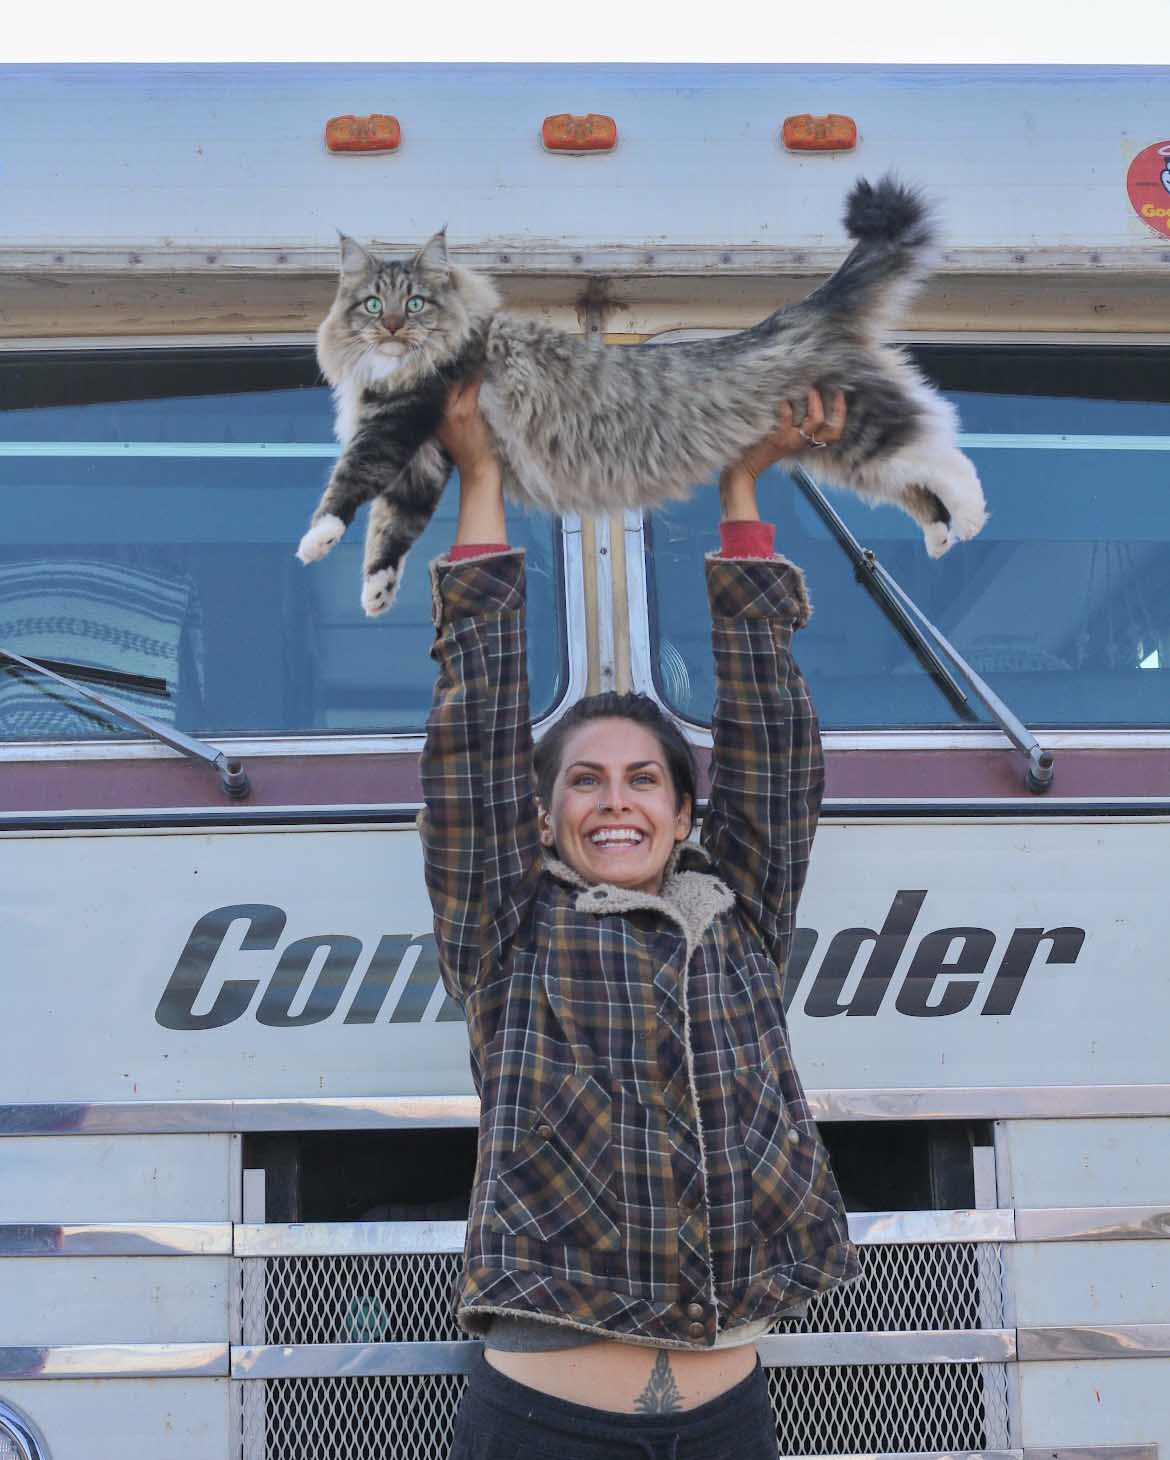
{"x": 393, "y": 325}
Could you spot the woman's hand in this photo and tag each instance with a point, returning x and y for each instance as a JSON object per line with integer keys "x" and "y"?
{"x": 465, "y": 438}
{"x": 737, "y": 484}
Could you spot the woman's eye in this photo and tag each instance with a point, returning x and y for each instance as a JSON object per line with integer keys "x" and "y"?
{"x": 414, "y": 303}
{"x": 584, "y": 780}
{"x": 373, "y": 305}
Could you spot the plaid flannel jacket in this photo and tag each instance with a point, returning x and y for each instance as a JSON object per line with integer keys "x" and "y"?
{"x": 648, "y": 1166}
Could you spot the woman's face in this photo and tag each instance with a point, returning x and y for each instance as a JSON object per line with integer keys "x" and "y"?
{"x": 615, "y": 815}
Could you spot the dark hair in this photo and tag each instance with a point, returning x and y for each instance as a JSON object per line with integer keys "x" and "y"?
{"x": 680, "y": 760}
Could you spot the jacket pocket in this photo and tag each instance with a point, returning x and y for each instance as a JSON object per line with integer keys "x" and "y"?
{"x": 789, "y": 1166}
{"x": 554, "y": 1186}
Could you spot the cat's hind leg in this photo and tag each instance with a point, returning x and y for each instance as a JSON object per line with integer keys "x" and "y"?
{"x": 397, "y": 518}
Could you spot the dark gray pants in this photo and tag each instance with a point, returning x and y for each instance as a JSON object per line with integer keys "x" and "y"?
{"x": 500, "y": 1419}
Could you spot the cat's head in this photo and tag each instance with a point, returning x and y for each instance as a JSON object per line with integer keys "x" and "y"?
{"x": 392, "y": 317}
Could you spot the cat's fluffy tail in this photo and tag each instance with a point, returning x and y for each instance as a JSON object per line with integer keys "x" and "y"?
{"x": 895, "y": 239}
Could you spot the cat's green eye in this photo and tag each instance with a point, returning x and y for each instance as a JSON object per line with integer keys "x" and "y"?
{"x": 373, "y": 305}
{"x": 414, "y": 303}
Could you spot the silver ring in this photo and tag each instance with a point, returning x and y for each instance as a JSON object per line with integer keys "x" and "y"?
{"x": 812, "y": 440}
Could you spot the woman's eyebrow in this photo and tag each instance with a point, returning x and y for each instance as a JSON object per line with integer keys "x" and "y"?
{"x": 593, "y": 765}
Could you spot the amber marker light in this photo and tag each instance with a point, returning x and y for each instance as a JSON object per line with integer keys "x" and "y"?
{"x": 375, "y": 133}
{"x": 807, "y": 133}
{"x": 567, "y": 133}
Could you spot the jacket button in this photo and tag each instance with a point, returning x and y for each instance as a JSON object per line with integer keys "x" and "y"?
{"x": 694, "y": 1310}
{"x": 688, "y": 1203}
{"x": 544, "y": 1132}
{"x": 794, "y": 1138}
{"x": 696, "y": 1330}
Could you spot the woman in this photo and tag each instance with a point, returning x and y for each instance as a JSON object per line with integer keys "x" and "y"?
{"x": 651, "y": 1192}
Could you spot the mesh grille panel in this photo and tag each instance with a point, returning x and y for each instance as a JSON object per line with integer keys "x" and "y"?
{"x": 410, "y": 1299}
{"x": 891, "y": 1408}
{"x": 857, "y": 1410}
{"x": 820, "y": 1410}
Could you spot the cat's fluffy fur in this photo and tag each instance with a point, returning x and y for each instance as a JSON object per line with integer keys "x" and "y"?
{"x": 587, "y": 428}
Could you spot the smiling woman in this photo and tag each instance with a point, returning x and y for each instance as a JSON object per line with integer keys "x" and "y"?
{"x": 651, "y": 1192}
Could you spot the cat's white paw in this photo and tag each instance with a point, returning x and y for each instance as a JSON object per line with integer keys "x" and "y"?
{"x": 378, "y": 591}
{"x": 968, "y": 522}
{"x": 320, "y": 538}
{"x": 964, "y": 525}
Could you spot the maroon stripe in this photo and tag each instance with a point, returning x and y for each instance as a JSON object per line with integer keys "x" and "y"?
{"x": 375, "y": 780}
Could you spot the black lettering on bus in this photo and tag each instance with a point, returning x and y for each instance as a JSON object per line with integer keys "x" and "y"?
{"x": 340, "y": 961}
{"x": 824, "y": 999}
{"x": 1065, "y": 947}
{"x": 931, "y": 964}
{"x": 265, "y": 925}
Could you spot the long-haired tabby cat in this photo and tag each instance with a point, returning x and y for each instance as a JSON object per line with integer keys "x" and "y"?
{"x": 582, "y": 427}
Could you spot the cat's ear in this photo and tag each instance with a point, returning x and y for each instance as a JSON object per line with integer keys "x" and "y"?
{"x": 433, "y": 254}
{"x": 354, "y": 258}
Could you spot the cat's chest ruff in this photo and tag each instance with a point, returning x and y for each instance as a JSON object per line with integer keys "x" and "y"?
{"x": 347, "y": 397}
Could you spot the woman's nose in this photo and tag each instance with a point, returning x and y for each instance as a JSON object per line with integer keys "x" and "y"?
{"x": 611, "y": 798}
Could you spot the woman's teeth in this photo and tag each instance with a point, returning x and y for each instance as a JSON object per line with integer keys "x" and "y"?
{"x": 603, "y": 838}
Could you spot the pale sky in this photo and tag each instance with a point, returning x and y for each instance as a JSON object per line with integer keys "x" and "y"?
{"x": 977, "y": 32}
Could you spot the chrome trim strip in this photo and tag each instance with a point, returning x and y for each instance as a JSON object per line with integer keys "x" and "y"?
{"x": 116, "y": 1361}
{"x": 985, "y": 1346}
{"x": 991, "y": 1102}
{"x": 603, "y": 569}
{"x": 1085, "y": 1341}
{"x": 329, "y": 1360}
{"x": 994, "y": 1224}
{"x": 638, "y": 604}
{"x": 116, "y": 1239}
{"x": 575, "y": 616}
{"x": 1092, "y": 1224}
{"x": 98, "y": 750}
{"x": 346, "y": 1239}
{"x": 387, "y": 1112}
{"x": 1093, "y": 1452}
{"x": 939, "y": 1455}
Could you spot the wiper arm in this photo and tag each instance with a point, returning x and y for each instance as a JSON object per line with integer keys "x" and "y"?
{"x": 120, "y": 678}
{"x": 926, "y": 639}
{"x": 232, "y": 776}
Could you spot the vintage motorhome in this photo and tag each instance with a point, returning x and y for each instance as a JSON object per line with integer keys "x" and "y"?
{"x": 237, "y": 1125}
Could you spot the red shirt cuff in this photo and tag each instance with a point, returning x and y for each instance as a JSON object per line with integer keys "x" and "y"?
{"x": 740, "y": 539}
{"x": 475, "y": 550}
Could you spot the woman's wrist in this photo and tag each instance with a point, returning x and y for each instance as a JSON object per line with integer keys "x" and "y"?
{"x": 737, "y": 495}
{"x": 481, "y": 507}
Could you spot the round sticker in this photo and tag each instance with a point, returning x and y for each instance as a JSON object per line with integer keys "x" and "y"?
{"x": 1148, "y": 184}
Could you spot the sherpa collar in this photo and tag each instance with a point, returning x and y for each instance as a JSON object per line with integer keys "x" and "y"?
{"x": 690, "y": 897}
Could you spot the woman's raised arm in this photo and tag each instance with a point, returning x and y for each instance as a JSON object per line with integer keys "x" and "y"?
{"x": 479, "y": 831}
{"x": 767, "y": 770}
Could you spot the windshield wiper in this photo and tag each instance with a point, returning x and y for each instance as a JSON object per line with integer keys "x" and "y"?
{"x": 232, "y": 777}
{"x": 925, "y": 639}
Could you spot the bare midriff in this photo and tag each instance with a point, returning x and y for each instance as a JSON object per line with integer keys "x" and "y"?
{"x": 626, "y": 1378}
